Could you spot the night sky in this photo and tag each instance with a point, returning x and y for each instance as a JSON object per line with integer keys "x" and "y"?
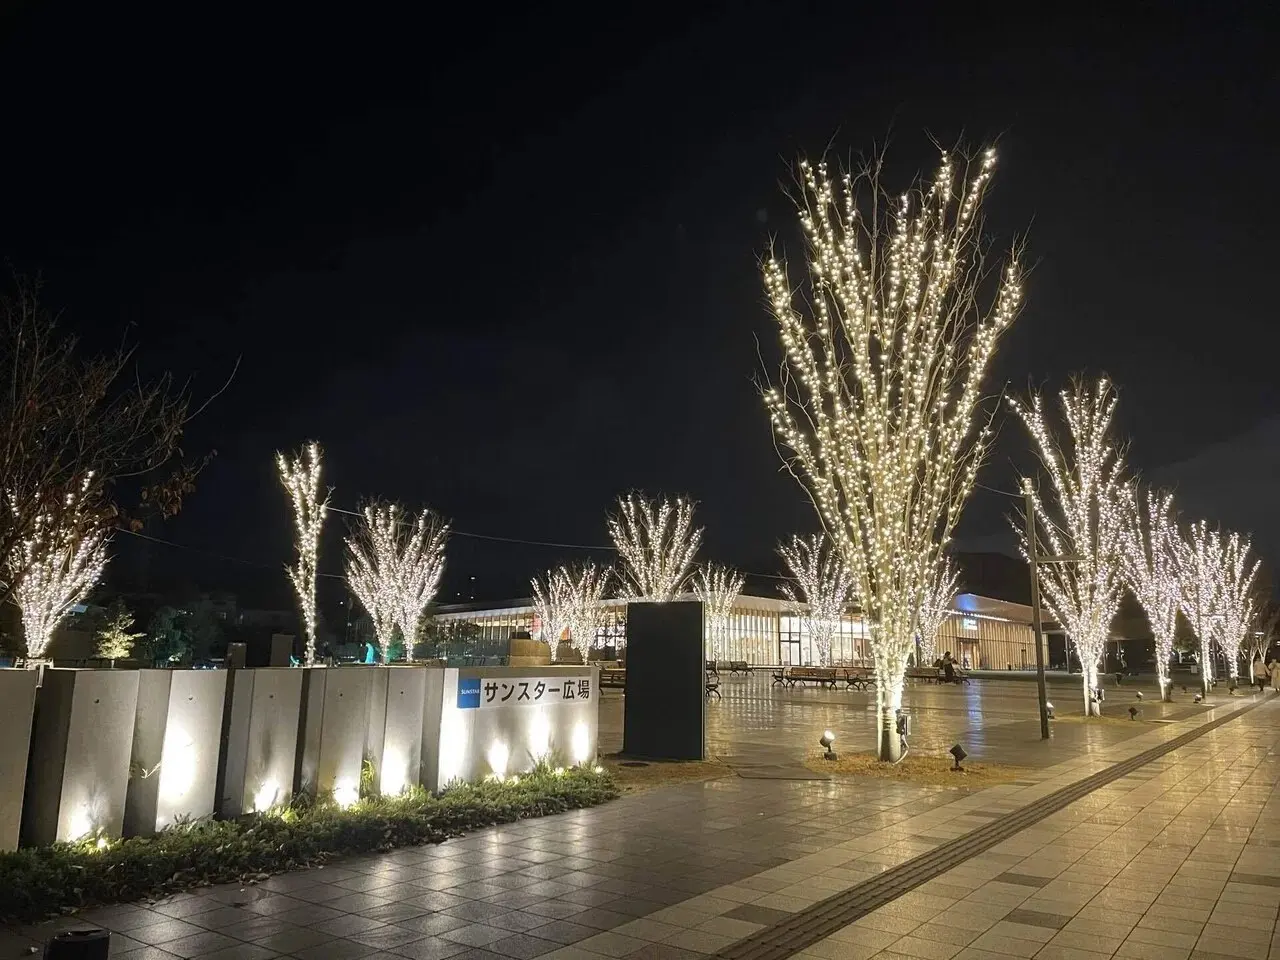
{"x": 505, "y": 264}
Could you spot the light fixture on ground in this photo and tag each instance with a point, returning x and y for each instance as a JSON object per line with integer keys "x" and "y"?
{"x": 1139, "y": 694}
{"x": 957, "y": 753}
{"x": 1133, "y": 713}
{"x": 1199, "y": 697}
{"x": 828, "y": 740}
{"x": 1049, "y": 710}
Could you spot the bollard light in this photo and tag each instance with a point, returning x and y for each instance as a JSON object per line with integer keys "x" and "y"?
{"x": 958, "y": 753}
{"x": 1198, "y": 697}
{"x": 827, "y": 739}
{"x": 1133, "y": 713}
{"x": 1048, "y": 707}
{"x": 1139, "y": 694}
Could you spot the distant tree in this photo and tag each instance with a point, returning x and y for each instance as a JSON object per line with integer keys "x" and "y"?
{"x": 718, "y": 588}
{"x": 657, "y": 543}
{"x": 165, "y": 638}
{"x": 116, "y": 637}
{"x": 82, "y": 433}
{"x": 300, "y": 474}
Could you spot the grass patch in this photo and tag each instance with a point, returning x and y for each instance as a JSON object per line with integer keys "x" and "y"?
{"x": 43, "y": 881}
{"x": 661, "y": 773}
{"x": 917, "y": 768}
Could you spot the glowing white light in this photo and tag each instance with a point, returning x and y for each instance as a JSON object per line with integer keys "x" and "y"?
{"x": 1151, "y": 568}
{"x": 598, "y": 769}
{"x": 822, "y": 592}
{"x": 539, "y": 736}
{"x": 265, "y": 797}
{"x": 80, "y": 825}
{"x": 657, "y": 543}
{"x": 514, "y": 780}
{"x": 571, "y": 598}
{"x": 300, "y": 475}
{"x": 886, "y": 346}
{"x": 580, "y": 743}
{"x": 718, "y": 588}
{"x": 395, "y": 773}
{"x": 498, "y": 755}
{"x": 345, "y": 793}
{"x": 178, "y": 767}
{"x": 102, "y": 843}
{"x": 558, "y": 771}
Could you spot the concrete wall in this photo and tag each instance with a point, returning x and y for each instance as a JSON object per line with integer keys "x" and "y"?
{"x": 333, "y": 730}
{"x": 398, "y": 760}
{"x": 503, "y": 720}
{"x": 81, "y": 742}
{"x": 432, "y": 701}
{"x": 18, "y": 694}
{"x": 261, "y": 739}
{"x": 177, "y": 736}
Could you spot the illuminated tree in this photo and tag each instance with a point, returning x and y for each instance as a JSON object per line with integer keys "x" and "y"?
{"x": 822, "y": 592}
{"x": 117, "y": 637}
{"x": 61, "y": 561}
{"x": 875, "y": 408}
{"x": 551, "y": 605}
{"x": 1084, "y": 533}
{"x": 373, "y": 572}
{"x": 1151, "y": 568}
{"x": 1237, "y": 578}
{"x": 1266, "y": 620}
{"x": 1201, "y": 557}
{"x": 657, "y": 543}
{"x": 300, "y": 474}
{"x": 938, "y": 603}
{"x": 420, "y": 548}
{"x": 585, "y": 585}
{"x": 718, "y": 588}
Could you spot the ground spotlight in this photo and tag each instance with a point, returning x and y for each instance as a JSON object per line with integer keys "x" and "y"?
{"x": 958, "y": 753}
{"x": 1048, "y": 707}
{"x": 1133, "y": 713}
{"x": 1139, "y": 694}
{"x": 827, "y": 740}
{"x": 1199, "y": 697}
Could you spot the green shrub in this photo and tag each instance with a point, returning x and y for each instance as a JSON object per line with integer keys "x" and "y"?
{"x": 39, "y": 882}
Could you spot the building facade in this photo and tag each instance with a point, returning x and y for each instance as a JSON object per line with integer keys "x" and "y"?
{"x": 981, "y": 633}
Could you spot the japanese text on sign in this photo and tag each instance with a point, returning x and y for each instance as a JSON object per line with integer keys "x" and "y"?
{"x": 476, "y": 692}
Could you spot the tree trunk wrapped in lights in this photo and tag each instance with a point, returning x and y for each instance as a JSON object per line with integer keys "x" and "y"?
{"x": 822, "y": 592}
{"x": 1200, "y": 561}
{"x": 939, "y": 601}
{"x": 61, "y": 562}
{"x": 1083, "y": 580}
{"x": 551, "y": 606}
{"x": 373, "y": 572}
{"x": 1237, "y": 577}
{"x": 718, "y": 588}
{"x": 657, "y": 543}
{"x": 1151, "y": 568}
{"x": 300, "y": 474}
{"x": 876, "y": 406}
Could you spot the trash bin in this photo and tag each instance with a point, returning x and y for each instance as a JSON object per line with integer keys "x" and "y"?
{"x": 88, "y": 944}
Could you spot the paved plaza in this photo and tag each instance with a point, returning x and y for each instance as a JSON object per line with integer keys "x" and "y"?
{"x": 1110, "y": 846}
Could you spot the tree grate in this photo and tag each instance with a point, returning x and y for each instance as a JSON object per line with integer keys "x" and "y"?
{"x": 806, "y": 927}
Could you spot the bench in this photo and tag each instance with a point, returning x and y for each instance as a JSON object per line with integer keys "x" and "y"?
{"x": 613, "y": 677}
{"x": 712, "y": 667}
{"x": 936, "y": 675}
{"x": 713, "y": 684}
{"x": 739, "y": 666}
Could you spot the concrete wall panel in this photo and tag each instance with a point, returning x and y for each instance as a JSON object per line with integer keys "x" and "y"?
{"x": 18, "y": 694}
{"x": 261, "y": 740}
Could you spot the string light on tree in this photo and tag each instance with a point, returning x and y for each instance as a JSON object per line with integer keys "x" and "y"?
{"x": 822, "y": 592}
{"x": 876, "y": 415}
{"x": 936, "y": 605}
{"x": 1085, "y": 529}
{"x": 1236, "y": 580}
{"x": 1151, "y": 569}
{"x": 373, "y": 570}
{"x": 300, "y": 474}
{"x": 420, "y": 553}
{"x": 551, "y": 606}
{"x": 585, "y": 586}
{"x": 657, "y": 543}
{"x": 61, "y": 561}
{"x": 718, "y": 587}
{"x": 1201, "y": 558}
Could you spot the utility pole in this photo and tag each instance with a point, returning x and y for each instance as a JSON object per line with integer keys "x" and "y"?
{"x": 1036, "y": 627}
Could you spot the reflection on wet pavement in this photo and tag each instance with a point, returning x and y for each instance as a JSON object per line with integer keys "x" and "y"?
{"x": 758, "y": 723}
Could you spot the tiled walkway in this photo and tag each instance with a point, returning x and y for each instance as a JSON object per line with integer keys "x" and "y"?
{"x": 1180, "y": 856}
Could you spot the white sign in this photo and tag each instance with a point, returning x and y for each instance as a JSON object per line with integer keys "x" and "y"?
{"x": 475, "y": 692}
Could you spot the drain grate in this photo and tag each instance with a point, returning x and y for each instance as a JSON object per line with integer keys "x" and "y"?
{"x": 808, "y": 926}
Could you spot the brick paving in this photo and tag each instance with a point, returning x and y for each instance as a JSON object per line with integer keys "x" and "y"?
{"x": 1172, "y": 860}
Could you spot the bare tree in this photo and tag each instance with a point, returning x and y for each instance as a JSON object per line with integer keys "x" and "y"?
{"x": 1201, "y": 557}
{"x": 1085, "y": 525}
{"x": 657, "y": 543}
{"x": 420, "y": 554}
{"x": 61, "y": 561}
{"x": 876, "y": 406}
{"x": 1237, "y": 578}
{"x": 300, "y": 474}
{"x": 938, "y": 603}
{"x": 822, "y": 592}
{"x": 1151, "y": 569}
{"x": 373, "y": 572}
{"x": 80, "y": 428}
{"x": 718, "y": 587}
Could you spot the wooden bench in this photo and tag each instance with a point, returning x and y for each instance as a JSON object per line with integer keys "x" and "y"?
{"x": 613, "y": 677}
{"x": 713, "y": 684}
{"x": 739, "y": 666}
{"x": 927, "y": 674}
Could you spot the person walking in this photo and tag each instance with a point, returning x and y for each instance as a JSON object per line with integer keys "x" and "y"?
{"x": 1260, "y": 672}
{"x": 1274, "y": 668}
